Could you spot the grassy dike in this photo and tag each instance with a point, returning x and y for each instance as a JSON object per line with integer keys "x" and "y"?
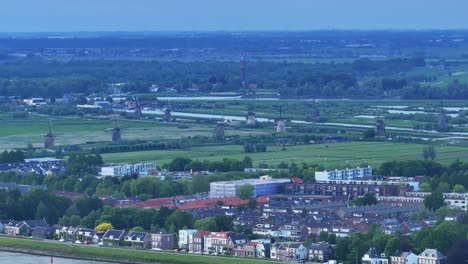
{"x": 118, "y": 255}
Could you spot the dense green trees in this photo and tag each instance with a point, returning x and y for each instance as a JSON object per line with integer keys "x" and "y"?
{"x": 34, "y": 77}
{"x": 367, "y": 199}
{"x": 11, "y": 156}
{"x": 35, "y": 204}
{"x": 246, "y": 191}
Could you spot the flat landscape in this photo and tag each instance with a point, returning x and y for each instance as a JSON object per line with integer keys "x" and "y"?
{"x": 329, "y": 155}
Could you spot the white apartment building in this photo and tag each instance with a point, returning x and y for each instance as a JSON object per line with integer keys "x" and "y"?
{"x": 343, "y": 174}
{"x": 265, "y": 185}
{"x": 146, "y": 168}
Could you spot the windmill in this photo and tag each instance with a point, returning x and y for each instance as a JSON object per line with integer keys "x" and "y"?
{"x": 49, "y": 138}
{"x": 315, "y": 111}
{"x": 251, "y": 119}
{"x": 219, "y": 132}
{"x": 167, "y": 113}
{"x": 281, "y": 123}
{"x": 442, "y": 117}
{"x": 380, "y": 127}
{"x": 116, "y": 132}
{"x": 138, "y": 113}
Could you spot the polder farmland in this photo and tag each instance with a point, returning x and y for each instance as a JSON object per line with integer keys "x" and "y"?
{"x": 329, "y": 155}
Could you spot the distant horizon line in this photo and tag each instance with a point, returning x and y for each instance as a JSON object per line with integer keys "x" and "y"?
{"x": 236, "y": 31}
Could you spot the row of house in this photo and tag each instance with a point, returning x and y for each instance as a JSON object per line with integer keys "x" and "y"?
{"x": 118, "y": 238}
{"x": 428, "y": 256}
{"x": 230, "y": 243}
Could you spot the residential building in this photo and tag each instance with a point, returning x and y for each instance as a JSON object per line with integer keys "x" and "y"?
{"x": 237, "y": 240}
{"x": 24, "y": 228}
{"x": 457, "y": 200}
{"x": 343, "y": 191}
{"x": 143, "y": 169}
{"x": 404, "y": 258}
{"x": 288, "y": 251}
{"x": 248, "y": 250}
{"x": 217, "y": 243}
{"x": 320, "y": 252}
{"x": 113, "y": 238}
{"x": 87, "y": 235}
{"x": 43, "y": 232}
{"x": 198, "y": 242}
{"x": 431, "y": 256}
{"x": 138, "y": 240}
{"x": 35, "y": 102}
{"x": 265, "y": 185}
{"x": 165, "y": 241}
{"x": 373, "y": 256}
{"x": 185, "y": 235}
{"x": 263, "y": 249}
{"x": 343, "y": 174}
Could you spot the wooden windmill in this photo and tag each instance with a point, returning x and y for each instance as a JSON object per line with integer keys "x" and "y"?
{"x": 281, "y": 123}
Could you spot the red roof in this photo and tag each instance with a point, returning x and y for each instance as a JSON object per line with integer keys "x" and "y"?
{"x": 203, "y": 233}
{"x": 71, "y": 195}
{"x": 296, "y": 180}
{"x": 190, "y": 205}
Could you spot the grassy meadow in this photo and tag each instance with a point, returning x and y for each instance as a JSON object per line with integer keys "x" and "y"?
{"x": 329, "y": 155}
{"x": 119, "y": 255}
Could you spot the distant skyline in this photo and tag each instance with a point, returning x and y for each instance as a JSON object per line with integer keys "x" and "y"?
{"x": 230, "y": 15}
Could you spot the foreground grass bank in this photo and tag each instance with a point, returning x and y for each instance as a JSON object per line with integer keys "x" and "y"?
{"x": 119, "y": 255}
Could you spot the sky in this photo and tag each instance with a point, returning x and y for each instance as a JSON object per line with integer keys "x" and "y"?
{"x": 229, "y": 15}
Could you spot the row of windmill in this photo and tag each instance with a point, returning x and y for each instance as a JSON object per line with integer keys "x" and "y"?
{"x": 219, "y": 132}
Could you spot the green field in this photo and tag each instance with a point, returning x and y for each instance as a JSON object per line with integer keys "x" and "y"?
{"x": 328, "y": 155}
{"x": 122, "y": 255}
{"x": 17, "y": 133}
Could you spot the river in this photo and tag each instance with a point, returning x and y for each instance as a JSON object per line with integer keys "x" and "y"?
{"x": 20, "y": 258}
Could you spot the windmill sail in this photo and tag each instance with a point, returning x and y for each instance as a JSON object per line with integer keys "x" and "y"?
{"x": 49, "y": 141}
{"x": 116, "y": 133}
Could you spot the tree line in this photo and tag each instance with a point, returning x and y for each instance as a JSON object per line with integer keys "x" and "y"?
{"x": 34, "y": 77}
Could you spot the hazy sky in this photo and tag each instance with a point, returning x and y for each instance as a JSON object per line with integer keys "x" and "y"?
{"x": 157, "y": 15}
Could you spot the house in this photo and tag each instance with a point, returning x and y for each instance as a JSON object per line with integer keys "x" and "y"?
{"x": 288, "y": 251}
{"x": 246, "y": 250}
{"x": 320, "y": 252}
{"x": 43, "y": 232}
{"x": 24, "y": 228}
{"x": 138, "y": 240}
{"x": 87, "y": 235}
{"x": 432, "y": 256}
{"x": 292, "y": 232}
{"x": 236, "y": 240}
{"x": 185, "y": 235}
{"x": 404, "y": 258}
{"x": 198, "y": 242}
{"x": 113, "y": 238}
{"x": 374, "y": 257}
{"x": 165, "y": 241}
{"x": 411, "y": 227}
{"x": 217, "y": 243}
{"x": 263, "y": 249}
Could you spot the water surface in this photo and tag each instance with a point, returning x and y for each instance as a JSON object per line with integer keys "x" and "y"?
{"x": 20, "y": 258}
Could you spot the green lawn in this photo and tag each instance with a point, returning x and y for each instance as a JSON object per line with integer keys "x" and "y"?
{"x": 329, "y": 155}
{"x": 118, "y": 254}
{"x": 17, "y": 133}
